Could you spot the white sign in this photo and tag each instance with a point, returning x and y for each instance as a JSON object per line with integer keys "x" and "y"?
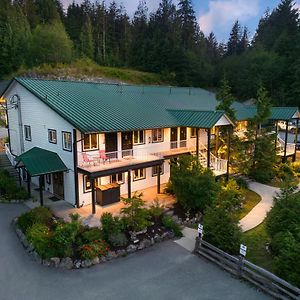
{"x": 200, "y": 228}
{"x": 243, "y": 250}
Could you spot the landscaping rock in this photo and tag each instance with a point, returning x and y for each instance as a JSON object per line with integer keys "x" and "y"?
{"x": 46, "y": 263}
{"x": 86, "y": 263}
{"x": 66, "y": 263}
{"x": 103, "y": 259}
{"x": 30, "y": 248}
{"x": 95, "y": 261}
{"x": 19, "y": 233}
{"x": 157, "y": 238}
{"x": 24, "y": 242}
{"x": 111, "y": 255}
{"x": 152, "y": 241}
{"x": 144, "y": 244}
{"x": 131, "y": 248}
{"x": 36, "y": 257}
{"x": 55, "y": 261}
{"x": 77, "y": 264}
{"x": 165, "y": 236}
{"x": 171, "y": 234}
{"x": 121, "y": 253}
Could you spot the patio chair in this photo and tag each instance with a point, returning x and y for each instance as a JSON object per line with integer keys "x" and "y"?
{"x": 86, "y": 159}
{"x": 103, "y": 156}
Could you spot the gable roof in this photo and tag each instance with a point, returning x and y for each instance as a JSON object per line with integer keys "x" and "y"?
{"x": 97, "y": 107}
{"x": 39, "y": 161}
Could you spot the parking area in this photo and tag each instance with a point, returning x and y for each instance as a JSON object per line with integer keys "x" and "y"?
{"x": 165, "y": 271}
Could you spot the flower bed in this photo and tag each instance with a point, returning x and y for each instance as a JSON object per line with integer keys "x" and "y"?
{"x": 55, "y": 243}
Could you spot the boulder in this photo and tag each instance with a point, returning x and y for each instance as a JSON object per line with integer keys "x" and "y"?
{"x": 86, "y": 263}
{"x": 77, "y": 264}
{"x": 157, "y": 238}
{"x": 145, "y": 243}
{"x": 111, "y": 255}
{"x": 55, "y": 261}
{"x": 121, "y": 253}
{"x": 66, "y": 263}
{"x": 95, "y": 261}
{"x": 46, "y": 263}
{"x": 36, "y": 257}
{"x": 131, "y": 248}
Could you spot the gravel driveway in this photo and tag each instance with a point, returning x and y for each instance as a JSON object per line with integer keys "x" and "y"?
{"x": 165, "y": 271}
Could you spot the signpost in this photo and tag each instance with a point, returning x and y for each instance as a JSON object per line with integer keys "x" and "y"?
{"x": 243, "y": 250}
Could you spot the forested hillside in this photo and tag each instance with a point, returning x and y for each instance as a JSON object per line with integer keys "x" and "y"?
{"x": 168, "y": 41}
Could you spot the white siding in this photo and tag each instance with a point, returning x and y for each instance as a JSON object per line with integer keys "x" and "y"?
{"x": 40, "y": 117}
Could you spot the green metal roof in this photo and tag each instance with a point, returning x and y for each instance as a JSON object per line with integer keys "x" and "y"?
{"x": 97, "y": 107}
{"x": 39, "y": 161}
{"x": 203, "y": 119}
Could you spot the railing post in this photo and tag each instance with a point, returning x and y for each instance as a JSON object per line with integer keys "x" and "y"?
{"x": 240, "y": 266}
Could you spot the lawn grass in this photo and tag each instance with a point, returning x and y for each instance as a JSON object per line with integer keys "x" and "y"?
{"x": 256, "y": 240}
{"x": 83, "y": 69}
{"x": 251, "y": 200}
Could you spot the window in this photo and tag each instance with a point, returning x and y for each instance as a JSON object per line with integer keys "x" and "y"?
{"x": 193, "y": 132}
{"x": 48, "y": 178}
{"x": 155, "y": 170}
{"x": 157, "y": 135}
{"x": 139, "y": 174}
{"x": 52, "y": 136}
{"x": 118, "y": 178}
{"x": 67, "y": 141}
{"x": 87, "y": 185}
{"x": 27, "y": 130}
{"x": 138, "y": 137}
{"x": 90, "y": 142}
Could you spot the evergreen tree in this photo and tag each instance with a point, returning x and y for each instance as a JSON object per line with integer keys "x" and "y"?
{"x": 234, "y": 41}
{"x": 244, "y": 42}
{"x": 86, "y": 39}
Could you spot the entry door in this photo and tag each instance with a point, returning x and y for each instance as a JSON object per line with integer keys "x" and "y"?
{"x": 183, "y": 136}
{"x": 58, "y": 185}
{"x": 174, "y": 137}
{"x": 127, "y": 143}
{"x": 111, "y": 144}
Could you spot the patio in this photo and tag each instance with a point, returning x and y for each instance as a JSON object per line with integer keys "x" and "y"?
{"x": 63, "y": 209}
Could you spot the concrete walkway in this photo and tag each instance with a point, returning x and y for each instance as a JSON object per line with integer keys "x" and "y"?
{"x": 259, "y": 212}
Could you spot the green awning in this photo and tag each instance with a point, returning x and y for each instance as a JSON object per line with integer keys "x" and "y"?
{"x": 38, "y": 161}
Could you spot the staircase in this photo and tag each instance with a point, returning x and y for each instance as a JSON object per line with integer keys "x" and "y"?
{"x": 290, "y": 147}
{"x": 6, "y": 165}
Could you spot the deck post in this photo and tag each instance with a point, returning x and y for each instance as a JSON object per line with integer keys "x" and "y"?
{"x": 28, "y": 185}
{"x": 228, "y": 151}
{"x": 208, "y": 147}
{"x": 197, "y": 143}
{"x": 93, "y": 196}
{"x": 296, "y": 139}
{"x": 41, "y": 190}
{"x": 286, "y": 138}
{"x": 276, "y": 132}
{"x": 158, "y": 179}
{"x": 217, "y": 141}
{"x": 129, "y": 183}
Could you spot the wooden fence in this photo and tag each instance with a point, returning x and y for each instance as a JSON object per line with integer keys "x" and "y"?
{"x": 240, "y": 267}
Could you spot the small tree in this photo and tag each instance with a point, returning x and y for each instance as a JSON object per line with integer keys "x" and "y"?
{"x": 195, "y": 187}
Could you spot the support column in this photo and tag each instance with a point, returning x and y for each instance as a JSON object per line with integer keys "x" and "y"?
{"x": 276, "y": 132}
{"x": 208, "y": 147}
{"x": 129, "y": 183}
{"x": 296, "y": 139}
{"x": 197, "y": 142}
{"x": 28, "y": 184}
{"x": 158, "y": 179}
{"x": 217, "y": 140}
{"x": 228, "y": 151}
{"x": 41, "y": 189}
{"x": 286, "y": 138}
{"x": 93, "y": 196}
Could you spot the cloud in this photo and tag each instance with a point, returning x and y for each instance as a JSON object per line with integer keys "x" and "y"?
{"x": 222, "y": 13}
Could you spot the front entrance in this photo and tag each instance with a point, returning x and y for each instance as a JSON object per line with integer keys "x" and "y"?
{"x": 183, "y": 136}
{"x": 58, "y": 185}
{"x": 111, "y": 145}
{"x": 127, "y": 143}
{"x": 174, "y": 137}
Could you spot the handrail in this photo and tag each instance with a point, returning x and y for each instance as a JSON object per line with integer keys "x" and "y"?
{"x": 290, "y": 147}
{"x": 9, "y": 155}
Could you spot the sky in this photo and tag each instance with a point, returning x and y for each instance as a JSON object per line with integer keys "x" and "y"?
{"x": 217, "y": 15}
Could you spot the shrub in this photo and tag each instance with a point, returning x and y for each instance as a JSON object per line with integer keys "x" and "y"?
{"x": 135, "y": 215}
{"x": 39, "y": 236}
{"x": 110, "y": 225}
{"x": 242, "y": 183}
{"x": 118, "y": 239}
{"x": 296, "y": 167}
{"x": 91, "y": 235}
{"x": 169, "y": 188}
{"x": 40, "y": 215}
{"x": 169, "y": 223}
{"x": 156, "y": 210}
{"x": 221, "y": 230}
{"x": 94, "y": 249}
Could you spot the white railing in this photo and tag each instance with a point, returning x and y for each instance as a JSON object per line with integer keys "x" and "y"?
{"x": 290, "y": 147}
{"x": 9, "y": 155}
{"x": 100, "y": 158}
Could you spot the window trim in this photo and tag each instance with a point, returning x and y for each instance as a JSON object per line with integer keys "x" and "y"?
{"x": 162, "y": 135}
{"x": 193, "y": 136}
{"x": 139, "y": 143}
{"x": 63, "y": 144}
{"x": 84, "y": 181}
{"x": 94, "y": 149}
{"x": 119, "y": 182}
{"x": 140, "y": 178}
{"x": 29, "y": 139}
{"x": 52, "y": 130}
{"x": 162, "y": 170}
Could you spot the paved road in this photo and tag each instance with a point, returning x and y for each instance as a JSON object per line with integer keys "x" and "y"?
{"x": 166, "y": 271}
